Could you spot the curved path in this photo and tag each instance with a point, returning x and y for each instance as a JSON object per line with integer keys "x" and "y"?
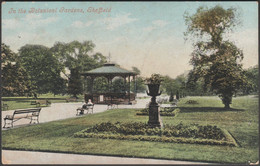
{"x": 58, "y": 111}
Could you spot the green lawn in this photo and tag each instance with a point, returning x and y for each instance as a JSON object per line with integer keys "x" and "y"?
{"x": 241, "y": 121}
{"x": 25, "y": 102}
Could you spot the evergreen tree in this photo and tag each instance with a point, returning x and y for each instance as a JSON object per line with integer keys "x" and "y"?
{"x": 171, "y": 97}
{"x": 177, "y": 95}
{"x": 75, "y": 84}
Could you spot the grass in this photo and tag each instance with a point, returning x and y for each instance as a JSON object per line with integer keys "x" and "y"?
{"x": 25, "y": 102}
{"x": 241, "y": 122}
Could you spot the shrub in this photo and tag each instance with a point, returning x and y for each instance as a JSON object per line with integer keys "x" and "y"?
{"x": 191, "y": 102}
{"x": 154, "y": 79}
{"x": 165, "y": 111}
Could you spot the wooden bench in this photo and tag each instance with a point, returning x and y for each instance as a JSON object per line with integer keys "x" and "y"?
{"x": 71, "y": 100}
{"x": 38, "y": 103}
{"x": 32, "y": 114}
{"x": 174, "y": 102}
{"x": 33, "y": 102}
{"x": 88, "y": 107}
{"x": 112, "y": 105}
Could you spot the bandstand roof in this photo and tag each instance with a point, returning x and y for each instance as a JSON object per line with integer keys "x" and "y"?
{"x": 109, "y": 69}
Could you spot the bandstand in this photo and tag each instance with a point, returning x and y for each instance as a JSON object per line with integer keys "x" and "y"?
{"x": 109, "y": 71}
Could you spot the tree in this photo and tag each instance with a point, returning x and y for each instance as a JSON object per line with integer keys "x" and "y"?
{"x": 59, "y": 87}
{"x": 7, "y": 55}
{"x": 171, "y": 86}
{"x": 43, "y": 68}
{"x": 195, "y": 87}
{"x": 171, "y": 97}
{"x": 15, "y": 79}
{"x": 78, "y": 55}
{"x": 181, "y": 84}
{"x": 253, "y": 80}
{"x": 177, "y": 95}
{"x": 139, "y": 83}
{"x": 100, "y": 85}
{"x": 215, "y": 60}
{"x": 118, "y": 85}
{"x": 168, "y": 85}
{"x": 75, "y": 84}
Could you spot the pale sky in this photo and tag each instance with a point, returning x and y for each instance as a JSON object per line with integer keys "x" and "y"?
{"x": 147, "y": 35}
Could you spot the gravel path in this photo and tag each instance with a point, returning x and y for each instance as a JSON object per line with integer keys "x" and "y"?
{"x": 58, "y": 111}
{"x": 26, "y": 157}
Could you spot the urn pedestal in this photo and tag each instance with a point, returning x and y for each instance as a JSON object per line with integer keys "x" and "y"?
{"x": 154, "y": 108}
{"x": 154, "y": 116}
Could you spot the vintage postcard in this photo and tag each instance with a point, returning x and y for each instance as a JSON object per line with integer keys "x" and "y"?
{"x": 129, "y": 82}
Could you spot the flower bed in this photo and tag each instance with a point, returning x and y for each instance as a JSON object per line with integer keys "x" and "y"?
{"x": 210, "y": 135}
{"x": 166, "y": 111}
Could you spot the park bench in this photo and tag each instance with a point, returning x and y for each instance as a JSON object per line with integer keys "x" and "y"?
{"x": 42, "y": 102}
{"x": 38, "y": 103}
{"x": 71, "y": 100}
{"x": 174, "y": 102}
{"x": 33, "y": 102}
{"x": 88, "y": 107}
{"x": 32, "y": 114}
{"x": 112, "y": 105}
{"x": 5, "y": 107}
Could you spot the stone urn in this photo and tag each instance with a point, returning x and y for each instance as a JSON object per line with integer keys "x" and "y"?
{"x": 154, "y": 109}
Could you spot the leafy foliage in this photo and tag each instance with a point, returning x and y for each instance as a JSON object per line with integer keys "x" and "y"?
{"x": 15, "y": 79}
{"x": 154, "y": 79}
{"x": 140, "y": 86}
{"x": 78, "y": 55}
{"x": 214, "y": 60}
{"x": 44, "y": 68}
{"x": 178, "y": 85}
{"x": 100, "y": 85}
{"x": 169, "y": 85}
{"x": 7, "y": 55}
{"x": 191, "y": 102}
{"x": 252, "y": 77}
{"x": 75, "y": 85}
{"x": 166, "y": 111}
{"x": 118, "y": 85}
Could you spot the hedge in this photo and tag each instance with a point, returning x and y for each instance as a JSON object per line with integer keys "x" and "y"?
{"x": 167, "y": 111}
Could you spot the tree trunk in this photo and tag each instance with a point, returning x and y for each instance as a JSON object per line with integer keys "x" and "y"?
{"x": 227, "y": 106}
{"x": 226, "y": 100}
